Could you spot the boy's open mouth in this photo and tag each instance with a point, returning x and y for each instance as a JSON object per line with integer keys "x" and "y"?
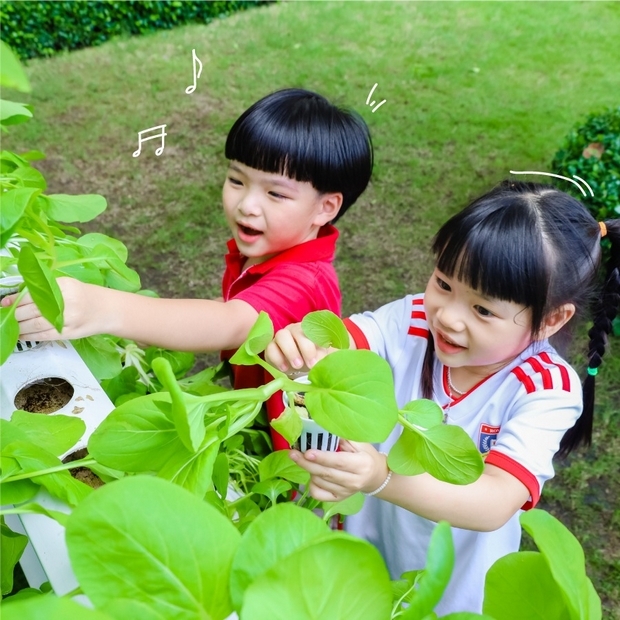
{"x": 246, "y": 230}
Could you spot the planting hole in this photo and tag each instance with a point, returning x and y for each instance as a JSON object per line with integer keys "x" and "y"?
{"x": 83, "y": 474}
{"x": 44, "y": 396}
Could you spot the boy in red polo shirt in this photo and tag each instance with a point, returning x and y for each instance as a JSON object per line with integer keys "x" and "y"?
{"x": 297, "y": 163}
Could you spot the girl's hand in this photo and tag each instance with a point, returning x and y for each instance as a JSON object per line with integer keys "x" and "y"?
{"x": 338, "y": 475}
{"x": 79, "y": 314}
{"x": 291, "y": 350}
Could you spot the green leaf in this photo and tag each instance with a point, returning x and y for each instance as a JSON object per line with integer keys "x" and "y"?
{"x": 433, "y": 582}
{"x": 187, "y": 411}
{"x": 259, "y": 337}
{"x": 193, "y": 470}
{"x": 272, "y": 536}
{"x": 221, "y": 473}
{"x": 12, "y": 546}
{"x": 137, "y": 436}
{"x": 325, "y": 329}
{"x": 55, "y": 433}
{"x": 511, "y": 577}
{"x": 65, "y": 208}
{"x": 42, "y": 287}
{"x": 362, "y": 590}
{"x": 37, "y": 509}
{"x": 278, "y": 464}
{"x": 288, "y": 424}
{"x": 149, "y": 541}
{"x": 349, "y": 506}
{"x": 27, "y": 176}
{"x": 92, "y": 240}
{"x": 423, "y": 413}
{"x": 9, "y": 332}
{"x": 12, "y": 74}
{"x": 13, "y": 113}
{"x": 565, "y": 558}
{"x": 272, "y": 488}
{"x": 100, "y": 355}
{"x": 49, "y": 607}
{"x": 14, "y": 204}
{"x": 445, "y": 451}
{"x": 180, "y": 362}
{"x": 352, "y": 396}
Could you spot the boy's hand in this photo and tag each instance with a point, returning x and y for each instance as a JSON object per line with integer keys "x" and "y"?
{"x": 79, "y": 314}
{"x": 291, "y": 350}
{"x": 338, "y": 475}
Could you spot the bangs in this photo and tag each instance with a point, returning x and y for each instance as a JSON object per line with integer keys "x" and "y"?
{"x": 496, "y": 251}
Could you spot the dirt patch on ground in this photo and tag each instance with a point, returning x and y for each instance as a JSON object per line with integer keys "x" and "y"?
{"x": 83, "y": 474}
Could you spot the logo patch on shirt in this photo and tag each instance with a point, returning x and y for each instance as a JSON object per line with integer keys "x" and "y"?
{"x": 488, "y": 437}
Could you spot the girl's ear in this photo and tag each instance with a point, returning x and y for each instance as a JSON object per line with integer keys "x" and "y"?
{"x": 330, "y": 206}
{"x": 555, "y": 320}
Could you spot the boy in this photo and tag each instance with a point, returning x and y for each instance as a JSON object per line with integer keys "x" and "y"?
{"x": 297, "y": 163}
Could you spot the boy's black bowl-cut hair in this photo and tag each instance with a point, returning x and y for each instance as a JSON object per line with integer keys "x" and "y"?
{"x": 303, "y": 136}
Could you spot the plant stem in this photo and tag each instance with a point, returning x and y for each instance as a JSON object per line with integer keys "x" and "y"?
{"x": 51, "y": 470}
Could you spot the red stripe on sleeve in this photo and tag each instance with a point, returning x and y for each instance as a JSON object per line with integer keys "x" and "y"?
{"x": 546, "y": 374}
{"x": 497, "y": 459}
{"x": 563, "y": 372}
{"x": 417, "y": 302}
{"x": 418, "y": 331}
{"x": 418, "y": 315}
{"x": 361, "y": 342}
{"x": 527, "y": 382}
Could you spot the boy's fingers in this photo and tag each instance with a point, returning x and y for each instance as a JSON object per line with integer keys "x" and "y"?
{"x": 285, "y": 352}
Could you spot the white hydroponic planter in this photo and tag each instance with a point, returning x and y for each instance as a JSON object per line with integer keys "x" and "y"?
{"x": 46, "y": 557}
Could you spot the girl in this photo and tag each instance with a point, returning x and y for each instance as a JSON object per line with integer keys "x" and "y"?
{"x": 512, "y": 270}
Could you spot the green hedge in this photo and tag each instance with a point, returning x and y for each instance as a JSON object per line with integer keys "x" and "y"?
{"x": 592, "y": 151}
{"x": 34, "y": 29}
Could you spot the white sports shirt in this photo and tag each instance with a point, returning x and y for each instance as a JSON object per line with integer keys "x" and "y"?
{"x": 516, "y": 417}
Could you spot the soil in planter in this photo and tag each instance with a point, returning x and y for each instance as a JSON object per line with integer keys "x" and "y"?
{"x": 44, "y": 396}
{"x": 83, "y": 474}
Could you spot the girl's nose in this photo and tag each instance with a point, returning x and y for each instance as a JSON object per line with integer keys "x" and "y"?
{"x": 450, "y": 318}
{"x": 248, "y": 205}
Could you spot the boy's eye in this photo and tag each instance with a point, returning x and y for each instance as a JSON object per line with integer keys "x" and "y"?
{"x": 482, "y": 311}
{"x": 234, "y": 181}
{"x": 443, "y": 284}
{"x": 276, "y": 195}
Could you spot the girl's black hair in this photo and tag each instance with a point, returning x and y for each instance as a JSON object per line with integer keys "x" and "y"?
{"x": 302, "y": 135}
{"x": 536, "y": 246}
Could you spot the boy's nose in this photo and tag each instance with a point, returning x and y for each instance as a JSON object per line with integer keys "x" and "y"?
{"x": 248, "y": 205}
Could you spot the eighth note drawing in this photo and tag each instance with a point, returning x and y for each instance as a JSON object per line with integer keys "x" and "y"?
{"x": 190, "y": 89}
{"x": 373, "y": 103}
{"x": 161, "y": 135}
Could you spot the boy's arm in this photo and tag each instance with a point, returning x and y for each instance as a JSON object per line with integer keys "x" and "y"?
{"x": 182, "y": 324}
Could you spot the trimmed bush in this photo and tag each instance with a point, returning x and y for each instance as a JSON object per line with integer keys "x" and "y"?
{"x": 592, "y": 151}
{"x": 34, "y": 29}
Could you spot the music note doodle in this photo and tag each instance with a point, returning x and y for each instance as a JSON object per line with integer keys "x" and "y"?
{"x": 161, "y": 135}
{"x": 190, "y": 89}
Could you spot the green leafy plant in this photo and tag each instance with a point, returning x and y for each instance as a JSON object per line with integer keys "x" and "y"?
{"x": 591, "y": 151}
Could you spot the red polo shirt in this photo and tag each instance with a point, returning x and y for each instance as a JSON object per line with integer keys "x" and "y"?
{"x": 287, "y": 286}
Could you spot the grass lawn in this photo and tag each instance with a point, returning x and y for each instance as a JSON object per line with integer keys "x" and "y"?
{"x": 473, "y": 90}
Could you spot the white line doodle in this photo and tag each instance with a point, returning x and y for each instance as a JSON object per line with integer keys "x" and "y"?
{"x": 190, "y": 89}
{"x": 558, "y": 176}
{"x": 373, "y": 103}
{"x": 161, "y": 135}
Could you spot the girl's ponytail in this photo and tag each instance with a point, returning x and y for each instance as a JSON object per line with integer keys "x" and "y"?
{"x": 606, "y": 308}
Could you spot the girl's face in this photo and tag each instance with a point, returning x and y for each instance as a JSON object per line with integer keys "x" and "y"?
{"x": 269, "y": 213}
{"x": 473, "y": 332}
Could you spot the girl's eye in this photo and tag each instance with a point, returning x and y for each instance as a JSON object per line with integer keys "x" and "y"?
{"x": 442, "y": 284}
{"x": 234, "y": 181}
{"x": 483, "y": 311}
{"x": 276, "y": 195}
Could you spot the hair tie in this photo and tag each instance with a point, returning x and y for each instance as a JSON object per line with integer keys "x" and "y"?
{"x": 603, "y": 228}
{"x": 592, "y": 371}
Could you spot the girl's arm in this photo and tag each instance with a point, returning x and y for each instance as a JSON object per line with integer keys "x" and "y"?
{"x": 484, "y": 505}
{"x": 181, "y": 324}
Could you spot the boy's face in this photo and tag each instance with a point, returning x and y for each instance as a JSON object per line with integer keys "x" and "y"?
{"x": 269, "y": 213}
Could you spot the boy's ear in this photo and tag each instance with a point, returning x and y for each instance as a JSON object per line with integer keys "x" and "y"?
{"x": 555, "y": 320}
{"x": 330, "y": 206}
